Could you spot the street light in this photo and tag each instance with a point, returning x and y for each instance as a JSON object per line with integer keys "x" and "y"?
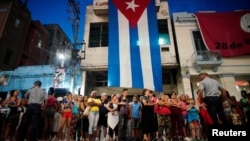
{"x": 60, "y": 72}
{"x": 61, "y": 56}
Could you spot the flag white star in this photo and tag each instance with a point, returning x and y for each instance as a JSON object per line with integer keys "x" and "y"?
{"x": 132, "y": 5}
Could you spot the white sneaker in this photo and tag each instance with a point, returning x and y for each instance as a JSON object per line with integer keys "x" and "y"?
{"x": 96, "y": 139}
{"x": 187, "y": 139}
{"x": 163, "y": 137}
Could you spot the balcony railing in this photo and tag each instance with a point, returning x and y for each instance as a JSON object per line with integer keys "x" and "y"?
{"x": 207, "y": 59}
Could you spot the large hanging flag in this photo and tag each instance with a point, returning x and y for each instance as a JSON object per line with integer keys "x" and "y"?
{"x": 228, "y": 32}
{"x": 134, "y": 59}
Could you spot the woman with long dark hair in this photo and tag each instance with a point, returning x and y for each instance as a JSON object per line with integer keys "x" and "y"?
{"x": 85, "y": 120}
{"x": 147, "y": 115}
{"x": 13, "y": 102}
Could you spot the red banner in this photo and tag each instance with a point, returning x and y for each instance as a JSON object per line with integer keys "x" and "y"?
{"x": 228, "y": 32}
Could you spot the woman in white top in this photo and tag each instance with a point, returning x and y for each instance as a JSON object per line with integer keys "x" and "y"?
{"x": 113, "y": 117}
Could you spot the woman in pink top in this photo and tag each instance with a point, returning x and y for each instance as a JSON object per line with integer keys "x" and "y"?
{"x": 184, "y": 99}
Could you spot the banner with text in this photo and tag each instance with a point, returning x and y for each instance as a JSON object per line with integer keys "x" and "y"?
{"x": 228, "y": 32}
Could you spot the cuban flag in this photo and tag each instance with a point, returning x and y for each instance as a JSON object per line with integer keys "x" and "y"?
{"x": 134, "y": 59}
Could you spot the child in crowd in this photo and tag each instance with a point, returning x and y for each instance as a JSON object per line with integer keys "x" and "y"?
{"x": 194, "y": 119}
{"x": 235, "y": 116}
{"x": 135, "y": 110}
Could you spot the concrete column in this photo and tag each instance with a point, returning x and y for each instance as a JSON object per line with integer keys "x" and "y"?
{"x": 186, "y": 85}
{"x": 72, "y": 80}
{"x": 228, "y": 82}
{"x": 83, "y": 82}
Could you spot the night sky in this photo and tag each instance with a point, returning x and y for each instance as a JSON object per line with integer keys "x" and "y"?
{"x": 56, "y": 12}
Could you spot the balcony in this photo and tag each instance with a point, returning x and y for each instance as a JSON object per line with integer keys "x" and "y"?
{"x": 207, "y": 60}
{"x": 100, "y": 7}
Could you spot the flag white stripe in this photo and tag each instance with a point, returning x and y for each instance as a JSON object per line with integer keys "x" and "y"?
{"x": 145, "y": 51}
{"x": 124, "y": 51}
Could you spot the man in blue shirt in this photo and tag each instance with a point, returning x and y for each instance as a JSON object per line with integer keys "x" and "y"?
{"x": 37, "y": 100}
{"x": 211, "y": 92}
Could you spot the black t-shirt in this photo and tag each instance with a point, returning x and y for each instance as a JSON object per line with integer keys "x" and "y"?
{"x": 102, "y": 108}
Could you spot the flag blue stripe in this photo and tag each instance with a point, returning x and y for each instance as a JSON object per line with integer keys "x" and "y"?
{"x": 136, "y": 63}
{"x": 113, "y": 51}
{"x": 137, "y": 78}
{"x": 154, "y": 46}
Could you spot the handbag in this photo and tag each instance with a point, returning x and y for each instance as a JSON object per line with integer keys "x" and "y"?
{"x": 86, "y": 111}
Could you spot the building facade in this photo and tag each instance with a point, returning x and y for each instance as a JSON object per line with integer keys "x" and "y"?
{"x": 31, "y": 51}
{"x": 194, "y": 56}
{"x": 58, "y": 43}
{"x": 23, "y": 78}
{"x": 34, "y": 51}
{"x": 95, "y": 62}
{"x": 14, "y": 25}
{"x": 179, "y": 56}
{"x": 229, "y": 71}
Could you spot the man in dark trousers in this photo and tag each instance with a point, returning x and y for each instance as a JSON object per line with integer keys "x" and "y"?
{"x": 211, "y": 92}
{"x": 124, "y": 115}
{"x": 37, "y": 100}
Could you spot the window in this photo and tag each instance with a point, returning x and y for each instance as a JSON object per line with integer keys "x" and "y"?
{"x": 39, "y": 44}
{"x": 169, "y": 77}
{"x": 198, "y": 41}
{"x": 166, "y": 78}
{"x": 163, "y": 32}
{"x": 98, "y": 36}
{"x": 17, "y": 23}
{"x": 165, "y": 49}
{"x": 7, "y": 57}
{"x": 101, "y": 81}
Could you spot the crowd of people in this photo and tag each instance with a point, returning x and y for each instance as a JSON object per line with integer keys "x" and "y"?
{"x": 146, "y": 116}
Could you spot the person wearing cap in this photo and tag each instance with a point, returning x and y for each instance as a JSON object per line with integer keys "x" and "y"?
{"x": 37, "y": 101}
{"x": 211, "y": 92}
